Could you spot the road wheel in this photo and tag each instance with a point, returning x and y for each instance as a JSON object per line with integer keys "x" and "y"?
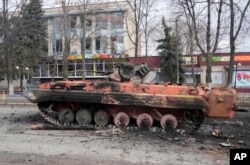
{"x": 66, "y": 116}
{"x": 101, "y": 118}
{"x": 83, "y": 117}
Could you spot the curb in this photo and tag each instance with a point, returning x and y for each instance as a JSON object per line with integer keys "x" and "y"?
{"x": 26, "y": 104}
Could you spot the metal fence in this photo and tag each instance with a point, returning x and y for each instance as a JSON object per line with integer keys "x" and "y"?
{"x": 243, "y": 100}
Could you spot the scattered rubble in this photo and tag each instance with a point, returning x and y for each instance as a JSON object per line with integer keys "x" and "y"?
{"x": 217, "y": 133}
{"x": 237, "y": 123}
{"x": 225, "y": 144}
{"x": 110, "y": 132}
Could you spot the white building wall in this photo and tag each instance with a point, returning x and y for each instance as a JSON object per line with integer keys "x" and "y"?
{"x": 219, "y": 76}
{"x": 106, "y": 8}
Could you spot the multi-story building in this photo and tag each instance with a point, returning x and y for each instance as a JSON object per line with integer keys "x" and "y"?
{"x": 108, "y": 33}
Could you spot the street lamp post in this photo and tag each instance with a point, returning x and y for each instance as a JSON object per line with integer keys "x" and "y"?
{"x": 27, "y": 73}
{"x": 17, "y": 67}
{"x": 236, "y": 70}
{"x": 21, "y": 75}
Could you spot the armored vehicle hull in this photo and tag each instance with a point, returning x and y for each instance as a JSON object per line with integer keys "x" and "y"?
{"x": 100, "y": 102}
{"x": 129, "y": 94}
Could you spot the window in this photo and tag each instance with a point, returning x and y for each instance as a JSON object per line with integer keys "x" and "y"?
{"x": 88, "y": 43}
{"x": 101, "y": 21}
{"x": 57, "y": 27}
{"x": 88, "y": 23}
{"x": 188, "y": 60}
{"x": 117, "y": 23}
{"x": 73, "y": 21}
{"x": 217, "y": 77}
{"x": 117, "y": 44}
{"x": 79, "y": 69}
{"x": 71, "y": 69}
{"x": 98, "y": 44}
{"x": 189, "y": 79}
{"x": 104, "y": 44}
{"x": 89, "y": 68}
{"x": 58, "y": 45}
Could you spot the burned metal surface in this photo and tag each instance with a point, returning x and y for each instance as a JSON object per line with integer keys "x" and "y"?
{"x": 146, "y": 103}
{"x": 222, "y": 103}
{"x": 109, "y": 93}
{"x": 176, "y": 97}
{"x": 107, "y": 86}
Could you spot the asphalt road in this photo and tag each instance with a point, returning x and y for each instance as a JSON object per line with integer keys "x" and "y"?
{"x": 21, "y": 145}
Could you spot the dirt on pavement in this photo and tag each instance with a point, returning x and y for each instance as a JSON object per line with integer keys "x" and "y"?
{"x": 21, "y": 145}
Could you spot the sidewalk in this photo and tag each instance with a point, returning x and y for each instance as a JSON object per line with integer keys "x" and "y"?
{"x": 14, "y": 100}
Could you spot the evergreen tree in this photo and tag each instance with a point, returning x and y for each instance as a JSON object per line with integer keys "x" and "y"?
{"x": 32, "y": 36}
{"x": 170, "y": 56}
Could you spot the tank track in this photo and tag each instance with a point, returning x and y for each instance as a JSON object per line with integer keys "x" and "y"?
{"x": 194, "y": 124}
{"x": 44, "y": 111}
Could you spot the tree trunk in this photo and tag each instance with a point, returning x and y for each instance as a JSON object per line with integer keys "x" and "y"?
{"x": 83, "y": 46}
{"x": 232, "y": 46}
{"x": 21, "y": 80}
{"x": 65, "y": 40}
{"x": 146, "y": 44}
{"x": 146, "y": 37}
{"x": 10, "y": 75}
{"x": 192, "y": 58}
{"x": 65, "y": 64}
{"x": 136, "y": 42}
{"x": 208, "y": 54}
{"x": 8, "y": 48}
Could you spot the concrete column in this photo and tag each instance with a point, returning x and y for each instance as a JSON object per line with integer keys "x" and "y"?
{"x": 109, "y": 34}
{"x": 50, "y": 42}
{"x": 48, "y": 70}
{"x": 40, "y": 70}
{"x": 78, "y": 32}
{"x": 93, "y": 29}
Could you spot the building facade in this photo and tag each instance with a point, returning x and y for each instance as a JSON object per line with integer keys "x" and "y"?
{"x": 109, "y": 36}
{"x": 220, "y": 67}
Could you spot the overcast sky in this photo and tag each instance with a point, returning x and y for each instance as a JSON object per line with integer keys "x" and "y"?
{"x": 163, "y": 8}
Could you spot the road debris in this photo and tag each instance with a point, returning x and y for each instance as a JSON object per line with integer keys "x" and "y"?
{"x": 241, "y": 142}
{"x": 225, "y": 144}
{"x": 110, "y": 132}
{"x": 239, "y": 123}
{"x": 217, "y": 133}
{"x": 63, "y": 127}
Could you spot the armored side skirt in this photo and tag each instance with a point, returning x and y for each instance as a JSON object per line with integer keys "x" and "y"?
{"x": 116, "y": 98}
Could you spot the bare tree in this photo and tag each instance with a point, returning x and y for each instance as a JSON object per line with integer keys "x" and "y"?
{"x": 134, "y": 35}
{"x": 57, "y": 25}
{"x": 65, "y": 39}
{"x": 186, "y": 33}
{"x": 198, "y": 11}
{"x": 147, "y": 26}
{"x": 236, "y": 11}
{"x": 9, "y": 29}
{"x": 137, "y": 20}
{"x": 86, "y": 9}
{"x": 65, "y": 5}
{"x": 190, "y": 44}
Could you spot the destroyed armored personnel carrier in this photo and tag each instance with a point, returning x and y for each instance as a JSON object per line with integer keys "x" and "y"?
{"x": 130, "y": 94}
